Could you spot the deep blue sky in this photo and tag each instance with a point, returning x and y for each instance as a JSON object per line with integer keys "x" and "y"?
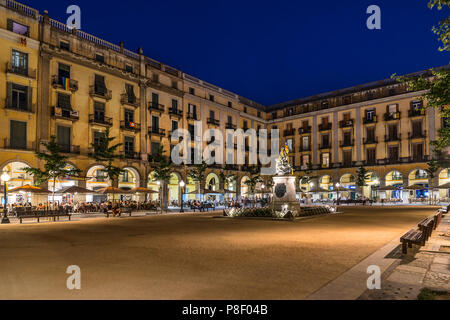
{"x": 269, "y": 51}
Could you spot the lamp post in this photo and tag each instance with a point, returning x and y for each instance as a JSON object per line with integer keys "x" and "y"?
{"x": 337, "y": 188}
{"x": 182, "y": 185}
{"x": 158, "y": 183}
{"x": 5, "y": 178}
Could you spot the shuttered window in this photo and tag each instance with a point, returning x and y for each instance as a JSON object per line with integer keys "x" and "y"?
{"x": 99, "y": 111}
{"x": 130, "y": 93}
{"x": 129, "y": 117}
{"x": 100, "y": 86}
{"x": 64, "y": 101}
{"x": 18, "y": 135}
{"x": 63, "y": 138}
{"x": 129, "y": 146}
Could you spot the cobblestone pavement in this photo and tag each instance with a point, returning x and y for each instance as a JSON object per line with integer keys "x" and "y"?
{"x": 428, "y": 268}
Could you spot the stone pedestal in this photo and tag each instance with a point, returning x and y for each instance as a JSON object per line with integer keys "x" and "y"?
{"x": 284, "y": 194}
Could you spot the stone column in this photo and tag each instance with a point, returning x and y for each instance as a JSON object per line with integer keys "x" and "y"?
{"x": 358, "y": 137}
{"x": 43, "y": 107}
{"x": 335, "y": 156}
{"x": 315, "y": 141}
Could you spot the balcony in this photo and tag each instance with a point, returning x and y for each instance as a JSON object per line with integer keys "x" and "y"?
{"x": 130, "y": 126}
{"x": 392, "y": 116}
{"x": 417, "y": 135}
{"x": 103, "y": 121}
{"x": 131, "y": 155}
{"x": 156, "y": 132}
{"x": 21, "y": 108}
{"x": 20, "y": 71}
{"x": 64, "y": 84}
{"x": 213, "y": 122}
{"x": 69, "y": 149}
{"x": 325, "y": 146}
{"x": 65, "y": 114}
{"x": 230, "y": 126}
{"x": 153, "y": 106}
{"x": 305, "y": 149}
{"x": 305, "y": 130}
{"x": 373, "y": 140}
{"x": 176, "y": 112}
{"x": 416, "y": 113}
{"x": 346, "y": 124}
{"x": 289, "y": 132}
{"x": 192, "y": 116}
{"x": 11, "y": 145}
{"x": 96, "y": 92}
{"x": 128, "y": 100}
{"x": 367, "y": 120}
{"x": 325, "y": 127}
{"x": 392, "y": 137}
{"x": 347, "y": 143}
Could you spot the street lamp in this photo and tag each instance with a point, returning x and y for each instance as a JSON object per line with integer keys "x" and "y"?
{"x": 182, "y": 185}
{"x": 5, "y": 178}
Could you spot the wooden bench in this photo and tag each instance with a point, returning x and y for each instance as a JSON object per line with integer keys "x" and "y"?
{"x": 42, "y": 214}
{"x": 127, "y": 210}
{"x": 427, "y": 227}
{"x": 412, "y": 237}
{"x": 437, "y": 219}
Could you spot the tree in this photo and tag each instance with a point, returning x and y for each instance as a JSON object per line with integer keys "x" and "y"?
{"x": 437, "y": 86}
{"x": 227, "y": 176}
{"x": 198, "y": 175}
{"x": 55, "y": 166}
{"x": 361, "y": 177}
{"x": 443, "y": 30}
{"x": 253, "y": 180}
{"x": 105, "y": 153}
{"x": 162, "y": 168}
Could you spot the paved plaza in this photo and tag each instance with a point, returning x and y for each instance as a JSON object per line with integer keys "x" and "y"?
{"x": 194, "y": 256}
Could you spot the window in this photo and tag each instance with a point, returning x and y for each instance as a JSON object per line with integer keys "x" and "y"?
{"x": 155, "y": 99}
{"x": 325, "y": 160}
{"x": 99, "y": 57}
{"x": 305, "y": 161}
{"x": 63, "y": 72}
{"x": 392, "y": 132}
{"x": 290, "y": 112}
{"x": 393, "y": 108}
{"x": 155, "y": 148}
{"x": 174, "y": 84}
{"x": 325, "y": 141}
{"x": 371, "y": 156}
{"x": 417, "y": 105}
{"x": 192, "y": 111}
{"x": 98, "y": 136}
{"x": 155, "y": 124}
{"x": 191, "y": 130}
{"x": 370, "y": 115}
{"x": 19, "y": 62}
{"x": 174, "y": 126}
{"x": 230, "y": 104}
{"x": 347, "y": 158}
{"x": 64, "y": 45}
{"x": 230, "y": 120}
{"x": 417, "y": 129}
{"x": 64, "y": 101}
{"x": 18, "y": 28}
{"x": 245, "y": 125}
{"x": 100, "y": 85}
{"x": 129, "y": 89}
{"x": 212, "y": 115}
{"x": 211, "y": 97}
{"x": 347, "y": 138}
{"x": 325, "y": 105}
{"x": 245, "y": 110}
{"x": 129, "y": 68}
{"x": 63, "y": 138}
{"x": 192, "y": 91}
{"x": 174, "y": 105}
{"x": 129, "y": 117}
{"x": 290, "y": 144}
{"x": 259, "y": 114}
{"x": 18, "y": 135}
{"x": 370, "y": 134}
{"x": 155, "y": 77}
{"x": 129, "y": 147}
{"x": 417, "y": 150}
{"x": 99, "y": 112}
{"x": 19, "y": 97}
{"x": 393, "y": 154}
{"x": 305, "y": 143}
{"x": 274, "y": 115}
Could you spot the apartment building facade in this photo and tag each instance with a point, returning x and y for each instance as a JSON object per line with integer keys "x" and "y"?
{"x": 69, "y": 84}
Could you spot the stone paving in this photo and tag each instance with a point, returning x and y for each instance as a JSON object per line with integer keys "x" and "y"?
{"x": 427, "y": 267}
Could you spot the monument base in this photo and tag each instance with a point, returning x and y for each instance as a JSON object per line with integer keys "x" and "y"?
{"x": 284, "y": 195}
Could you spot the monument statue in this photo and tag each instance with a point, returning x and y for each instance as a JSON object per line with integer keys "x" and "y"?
{"x": 284, "y": 191}
{"x": 283, "y": 166}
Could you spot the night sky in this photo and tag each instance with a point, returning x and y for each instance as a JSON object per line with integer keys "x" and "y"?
{"x": 269, "y": 51}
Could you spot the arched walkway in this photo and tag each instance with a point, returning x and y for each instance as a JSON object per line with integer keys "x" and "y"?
{"x": 19, "y": 178}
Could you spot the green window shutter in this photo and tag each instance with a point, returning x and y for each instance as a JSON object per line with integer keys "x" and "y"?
{"x": 18, "y": 134}
{"x": 10, "y": 25}
{"x": 9, "y": 86}
{"x": 30, "y": 98}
